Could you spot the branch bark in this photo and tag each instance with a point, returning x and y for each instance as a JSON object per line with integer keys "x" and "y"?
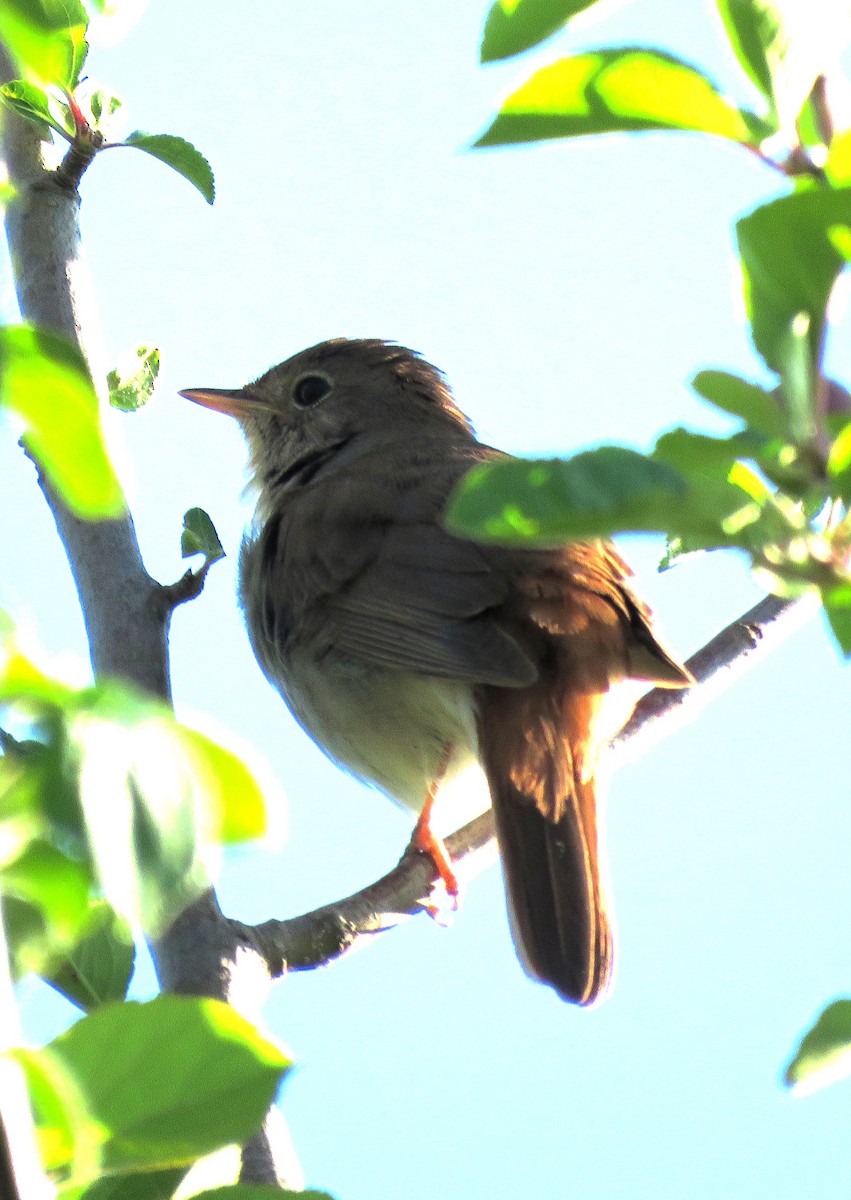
{"x": 126, "y": 612}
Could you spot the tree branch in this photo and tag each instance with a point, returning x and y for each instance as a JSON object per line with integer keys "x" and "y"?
{"x": 317, "y": 938}
{"x": 126, "y": 612}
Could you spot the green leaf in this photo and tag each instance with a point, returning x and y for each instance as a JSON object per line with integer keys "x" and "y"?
{"x": 783, "y": 45}
{"x": 45, "y": 381}
{"x": 790, "y": 266}
{"x": 757, "y": 407}
{"x": 696, "y": 453}
{"x": 233, "y": 801}
{"x": 178, "y": 154}
{"x": 142, "y": 1185}
{"x": 99, "y": 968}
{"x": 199, "y": 536}
{"x": 68, "y": 1137}
{"x": 156, "y": 797}
{"x": 837, "y": 608}
{"x": 46, "y": 38}
{"x": 512, "y": 26}
{"x": 131, "y": 384}
{"x": 799, "y": 380}
{"x": 36, "y": 105}
{"x": 837, "y": 167}
{"x": 610, "y": 91}
{"x": 244, "y": 1191}
{"x": 53, "y": 883}
{"x": 169, "y": 1080}
{"x": 824, "y": 1054}
{"x": 839, "y": 464}
{"x": 610, "y": 490}
{"x": 754, "y": 28}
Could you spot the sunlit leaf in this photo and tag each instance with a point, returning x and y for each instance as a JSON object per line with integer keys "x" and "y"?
{"x": 839, "y": 464}
{"x": 783, "y": 45}
{"x": 618, "y": 90}
{"x": 837, "y": 608}
{"x": 134, "y": 1185}
{"x": 798, "y": 372}
{"x": 169, "y": 1080}
{"x": 199, "y": 536}
{"x": 824, "y": 1054}
{"x": 131, "y": 384}
{"x": 790, "y": 266}
{"x": 99, "y": 968}
{"x": 757, "y": 407}
{"x": 178, "y": 154}
{"x": 512, "y": 26}
{"x": 68, "y": 1135}
{"x": 46, "y": 382}
{"x": 46, "y": 38}
{"x": 243, "y": 1191}
{"x": 596, "y": 493}
{"x": 32, "y": 102}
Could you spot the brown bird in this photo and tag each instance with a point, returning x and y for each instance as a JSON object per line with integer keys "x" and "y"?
{"x": 406, "y": 651}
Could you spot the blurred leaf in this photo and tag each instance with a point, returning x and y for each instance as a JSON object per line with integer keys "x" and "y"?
{"x": 142, "y": 1185}
{"x": 799, "y": 380}
{"x": 169, "y": 1080}
{"x": 68, "y": 1137}
{"x": 824, "y": 1054}
{"x": 156, "y": 795}
{"x": 600, "y": 492}
{"x": 837, "y": 607}
{"x": 131, "y": 384}
{"x": 244, "y": 1191}
{"x": 697, "y": 453}
{"x": 618, "y": 90}
{"x": 178, "y": 154}
{"x": 53, "y": 883}
{"x": 784, "y": 45}
{"x": 755, "y": 31}
{"x": 104, "y": 106}
{"x": 757, "y": 407}
{"x": 839, "y": 464}
{"x": 837, "y": 168}
{"x": 99, "y": 968}
{"x": 232, "y": 798}
{"x": 32, "y": 102}
{"x": 512, "y": 26}
{"x": 790, "y": 267}
{"x": 45, "y": 381}
{"x": 199, "y": 536}
{"x": 46, "y": 38}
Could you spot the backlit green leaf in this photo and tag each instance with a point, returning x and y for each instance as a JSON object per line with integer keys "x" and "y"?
{"x": 131, "y": 384}
{"x": 199, "y": 536}
{"x": 790, "y": 266}
{"x": 178, "y": 154}
{"x": 628, "y": 89}
{"x": 512, "y": 26}
{"x": 45, "y": 381}
{"x": 169, "y": 1080}
{"x": 46, "y": 38}
{"x": 757, "y": 407}
{"x": 824, "y": 1054}
{"x": 99, "y": 968}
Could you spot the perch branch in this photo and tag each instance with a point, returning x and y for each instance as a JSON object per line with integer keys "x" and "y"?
{"x": 318, "y": 937}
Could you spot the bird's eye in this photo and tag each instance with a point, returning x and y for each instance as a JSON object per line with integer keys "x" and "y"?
{"x": 310, "y": 389}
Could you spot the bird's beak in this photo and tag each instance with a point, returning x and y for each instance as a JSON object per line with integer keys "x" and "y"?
{"x": 236, "y": 402}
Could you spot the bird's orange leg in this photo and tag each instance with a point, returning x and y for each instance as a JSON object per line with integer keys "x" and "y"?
{"x": 424, "y": 839}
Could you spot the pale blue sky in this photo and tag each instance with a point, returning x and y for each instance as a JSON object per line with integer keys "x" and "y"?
{"x": 569, "y": 291}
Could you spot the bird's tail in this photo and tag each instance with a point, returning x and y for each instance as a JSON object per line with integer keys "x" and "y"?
{"x": 545, "y": 808}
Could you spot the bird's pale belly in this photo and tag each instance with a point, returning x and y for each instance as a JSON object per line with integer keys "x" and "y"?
{"x": 392, "y": 729}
